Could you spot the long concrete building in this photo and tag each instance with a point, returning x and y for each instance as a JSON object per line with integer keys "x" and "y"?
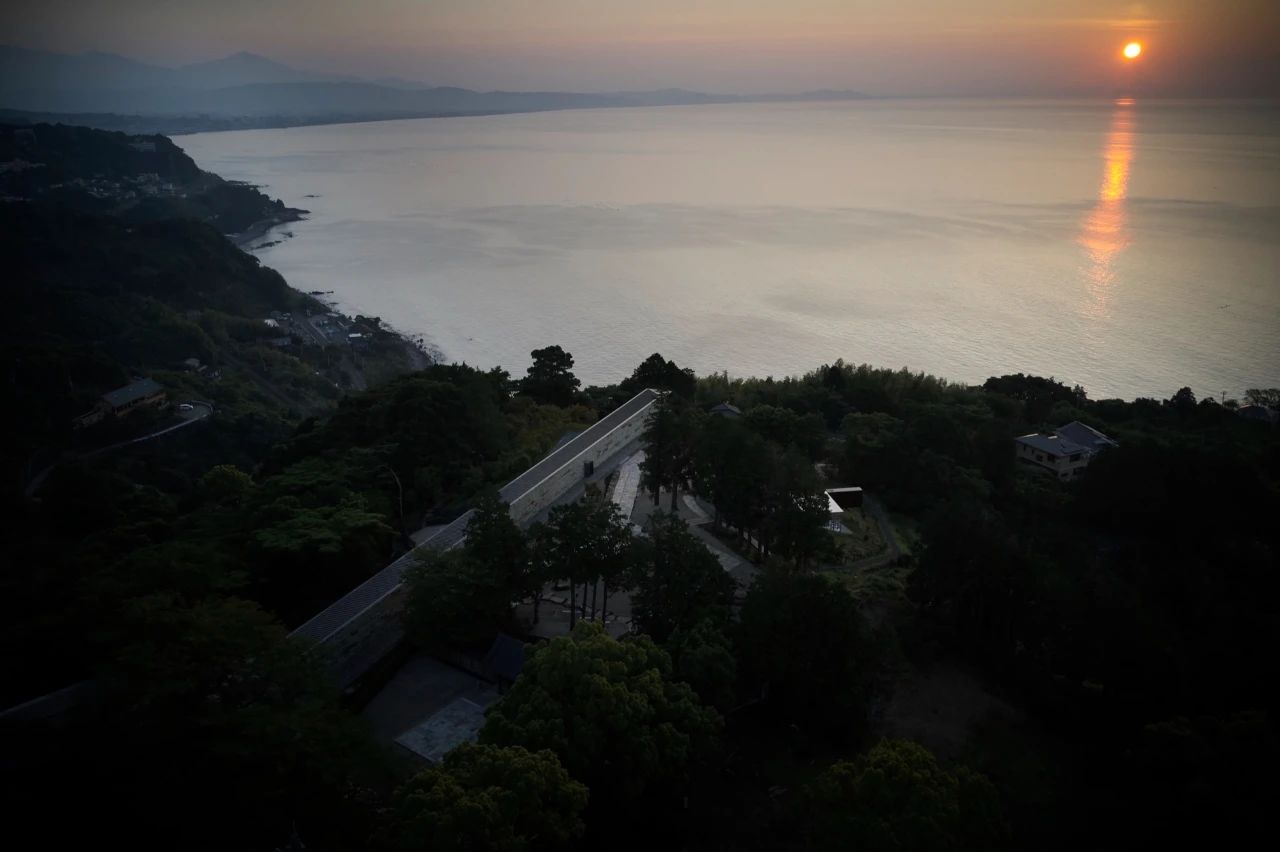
{"x": 363, "y": 627}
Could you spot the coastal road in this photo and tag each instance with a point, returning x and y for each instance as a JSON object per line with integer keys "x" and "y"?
{"x": 199, "y": 411}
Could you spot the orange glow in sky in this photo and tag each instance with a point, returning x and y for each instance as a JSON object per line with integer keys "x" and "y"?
{"x": 1132, "y": 50}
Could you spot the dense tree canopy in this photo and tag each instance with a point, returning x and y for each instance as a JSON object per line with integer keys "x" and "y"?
{"x": 1119, "y": 623}
{"x": 677, "y": 582}
{"x": 583, "y": 542}
{"x": 801, "y": 641}
{"x": 610, "y": 710}
{"x": 660, "y": 374}
{"x": 703, "y": 658}
{"x": 550, "y": 379}
{"x": 897, "y": 798}
{"x": 483, "y": 798}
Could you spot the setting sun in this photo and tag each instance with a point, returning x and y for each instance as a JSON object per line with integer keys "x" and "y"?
{"x": 1132, "y": 50}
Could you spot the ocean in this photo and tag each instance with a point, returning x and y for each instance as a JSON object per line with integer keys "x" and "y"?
{"x": 1132, "y": 247}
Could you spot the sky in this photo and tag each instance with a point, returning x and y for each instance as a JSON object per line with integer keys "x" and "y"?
{"x": 883, "y": 47}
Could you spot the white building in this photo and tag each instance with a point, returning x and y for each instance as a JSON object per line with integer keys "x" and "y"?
{"x": 1066, "y": 451}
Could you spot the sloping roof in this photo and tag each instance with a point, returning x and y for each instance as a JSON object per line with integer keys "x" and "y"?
{"x": 1053, "y": 444}
{"x": 132, "y": 392}
{"x": 505, "y": 658}
{"x": 1260, "y": 413}
{"x": 564, "y": 440}
{"x": 456, "y": 723}
{"x": 531, "y": 478}
{"x": 328, "y": 621}
{"x": 727, "y": 409}
{"x": 1085, "y": 436}
{"x": 837, "y": 498}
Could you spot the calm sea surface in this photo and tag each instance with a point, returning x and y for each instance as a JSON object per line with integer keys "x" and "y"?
{"x": 1130, "y": 247}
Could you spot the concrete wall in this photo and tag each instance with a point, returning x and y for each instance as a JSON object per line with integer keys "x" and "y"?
{"x": 527, "y": 507}
{"x": 374, "y": 631}
{"x": 1061, "y": 466}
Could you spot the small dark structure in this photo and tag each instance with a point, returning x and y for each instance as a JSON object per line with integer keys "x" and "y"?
{"x": 505, "y": 659}
{"x": 1260, "y": 414}
{"x": 727, "y": 409}
{"x": 121, "y": 401}
{"x": 844, "y": 499}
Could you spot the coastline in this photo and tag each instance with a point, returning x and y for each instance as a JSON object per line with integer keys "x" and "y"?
{"x": 259, "y": 229}
{"x": 418, "y": 352}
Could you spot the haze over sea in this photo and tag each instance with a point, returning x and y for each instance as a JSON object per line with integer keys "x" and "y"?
{"x": 1130, "y": 247}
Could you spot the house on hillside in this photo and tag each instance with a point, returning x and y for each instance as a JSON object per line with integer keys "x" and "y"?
{"x": 1065, "y": 452}
{"x": 1085, "y": 436}
{"x": 727, "y": 409}
{"x": 139, "y": 393}
{"x": 1259, "y": 413}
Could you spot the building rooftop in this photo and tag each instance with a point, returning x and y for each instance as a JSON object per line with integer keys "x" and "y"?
{"x": 329, "y": 620}
{"x": 132, "y": 392}
{"x": 1260, "y": 413}
{"x": 505, "y": 659}
{"x": 840, "y": 499}
{"x": 727, "y": 409}
{"x": 566, "y": 453}
{"x": 1085, "y": 436}
{"x": 456, "y": 723}
{"x": 1053, "y": 444}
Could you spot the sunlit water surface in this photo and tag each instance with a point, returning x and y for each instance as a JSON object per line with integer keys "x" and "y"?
{"x": 1131, "y": 247}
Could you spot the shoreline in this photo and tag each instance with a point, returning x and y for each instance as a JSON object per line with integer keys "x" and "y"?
{"x": 262, "y": 227}
{"x": 421, "y": 354}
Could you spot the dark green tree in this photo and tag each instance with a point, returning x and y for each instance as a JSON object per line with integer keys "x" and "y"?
{"x": 584, "y": 542}
{"x": 264, "y": 744}
{"x": 454, "y": 600}
{"x": 226, "y": 485}
{"x": 669, "y": 439}
{"x": 611, "y": 712}
{"x": 550, "y": 379}
{"x": 800, "y": 511}
{"x": 1267, "y": 397}
{"x": 496, "y": 543}
{"x": 678, "y": 582}
{"x": 660, "y": 374}
{"x": 897, "y": 798}
{"x": 703, "y": 658}
{"x": 484, "y": 797}
{"x": 800, "y": 642}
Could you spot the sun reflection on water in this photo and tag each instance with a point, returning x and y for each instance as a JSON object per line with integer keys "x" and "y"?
{"x": 1105, "y": 232}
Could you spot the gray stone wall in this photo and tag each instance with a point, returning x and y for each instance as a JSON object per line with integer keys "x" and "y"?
{"x": 364, "y": 640}
{"x": 527, "y": 507}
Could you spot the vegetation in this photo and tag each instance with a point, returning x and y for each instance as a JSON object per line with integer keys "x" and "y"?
{"x": 613, "y": 714}
{"x": 585, "y": 543}
{"x": 137, "y": 178}
{"x": 802, "y": 645}
{"x": 679, "y": 583}
{"x": 898, "y": 797}
{"x": 549, "y": 378}
{"x": 488, "y": 798}
{"x": 1119, "y": 624}
{"x": 463, "y": 597}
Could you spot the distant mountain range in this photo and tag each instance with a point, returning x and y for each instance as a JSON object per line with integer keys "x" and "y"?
{"x": 245, "y": 89}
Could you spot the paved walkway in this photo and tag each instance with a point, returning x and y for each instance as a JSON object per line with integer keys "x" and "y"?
{"x": 697, "y": 515}
{"x": 628, "y": 484}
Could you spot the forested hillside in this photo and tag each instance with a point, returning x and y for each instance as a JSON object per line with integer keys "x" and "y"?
{"x": 137, "y": 178}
